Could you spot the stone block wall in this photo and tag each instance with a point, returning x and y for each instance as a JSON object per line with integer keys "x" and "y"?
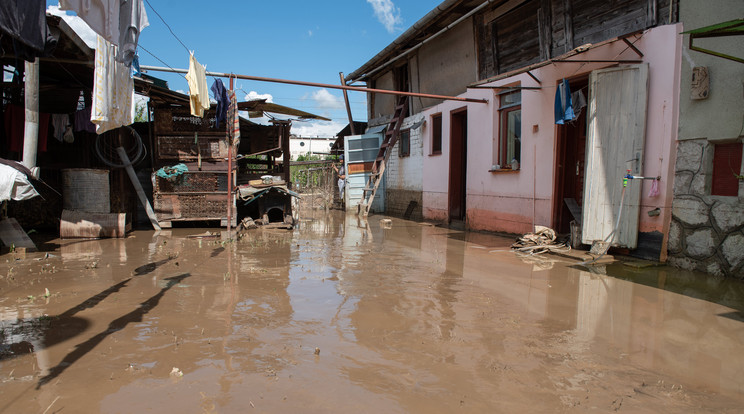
{"x": 707, "y": 232}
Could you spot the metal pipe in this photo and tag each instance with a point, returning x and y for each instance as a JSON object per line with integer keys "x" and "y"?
{"x": 320, "y": 85}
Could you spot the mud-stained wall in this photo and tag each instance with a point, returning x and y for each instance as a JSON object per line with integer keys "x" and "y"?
{"x": 404, "y": 176}
{"x": 706, "y": 231}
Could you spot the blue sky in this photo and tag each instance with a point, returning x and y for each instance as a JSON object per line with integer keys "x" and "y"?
{"x": 299, "y": 40}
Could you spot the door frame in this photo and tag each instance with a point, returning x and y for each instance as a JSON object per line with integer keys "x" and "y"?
{"x": 457, "y": 182}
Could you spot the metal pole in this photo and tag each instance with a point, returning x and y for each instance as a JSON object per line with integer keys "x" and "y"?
{"x": 321, "y": 85}
{"x": 229, "y": 169}
{"x": 348, "y": 106}
{"x": 31, "y": 130}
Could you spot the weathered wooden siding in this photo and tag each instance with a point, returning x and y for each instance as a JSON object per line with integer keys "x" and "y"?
{"x": 541, "y": 29}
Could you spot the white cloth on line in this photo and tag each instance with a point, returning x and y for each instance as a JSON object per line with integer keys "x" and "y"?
{"x": 118, "y": 21}
{"x": 198, "y": 92}
{"x": 113, "y": 90}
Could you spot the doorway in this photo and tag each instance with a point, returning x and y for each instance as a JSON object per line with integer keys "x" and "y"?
{"x": 458, "y": 164}
{"x": 570, "y": 165}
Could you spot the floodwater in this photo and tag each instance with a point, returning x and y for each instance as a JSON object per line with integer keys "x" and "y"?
{"x": 344, "y": 316}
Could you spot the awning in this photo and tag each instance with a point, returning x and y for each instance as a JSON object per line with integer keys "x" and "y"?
{"x": 263, "y": 106}
{"x": 729, "y": 28}
{"x": 376, "y": 129}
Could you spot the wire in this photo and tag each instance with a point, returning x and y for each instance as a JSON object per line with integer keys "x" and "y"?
{"x": 168, "y": 26}
{"x": 161, "y": 60}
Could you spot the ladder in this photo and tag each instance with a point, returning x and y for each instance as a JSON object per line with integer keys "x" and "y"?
{"x": 386, "y": 148}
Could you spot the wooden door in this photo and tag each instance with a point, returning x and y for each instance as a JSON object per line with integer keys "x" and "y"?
{"x": 616, "y": 136}
{"x": 458, "y": 164}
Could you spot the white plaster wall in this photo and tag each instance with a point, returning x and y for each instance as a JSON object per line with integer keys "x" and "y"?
{"x": 721, "y": 115}
{"x": 506, "y": 201}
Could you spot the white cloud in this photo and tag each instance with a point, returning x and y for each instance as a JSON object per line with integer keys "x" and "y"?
{"x": 325, "y": 100}
{"x": 322, "y": 129}
{"x": 253, "y": 95}
{"x": 77, "y": 24}
{"x": 310, "y": 33}
{"x": 387, "y": 14}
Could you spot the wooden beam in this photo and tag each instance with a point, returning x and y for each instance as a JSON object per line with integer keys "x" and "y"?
{"x": 568, "y": 33}
{"x": 545, "y": 30}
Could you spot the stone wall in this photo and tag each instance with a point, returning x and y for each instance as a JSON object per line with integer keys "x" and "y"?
{"x": 707, "y": 232}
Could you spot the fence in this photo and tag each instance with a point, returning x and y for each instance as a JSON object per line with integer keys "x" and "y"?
{"x": 316, "y": 182}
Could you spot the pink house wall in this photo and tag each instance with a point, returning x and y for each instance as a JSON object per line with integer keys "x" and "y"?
{"x": 513, "y": 201}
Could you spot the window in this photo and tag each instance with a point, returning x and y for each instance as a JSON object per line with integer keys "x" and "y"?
{"x": 436, "y": 134}
{"x": 510, "y": 131}
{"x": 404, "y": 143}
{"x": 726, "y": 169}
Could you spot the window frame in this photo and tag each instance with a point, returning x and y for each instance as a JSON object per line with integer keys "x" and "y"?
{"x": 730, "y": 188}
{"x": 436, "y": 134}
{"x": 404, "y": 145}
{"x": 503, "y": 130}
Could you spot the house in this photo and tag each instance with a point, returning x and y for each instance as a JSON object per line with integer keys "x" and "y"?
{"x": 707, "y": 211}
{"x": 516, "y": 161}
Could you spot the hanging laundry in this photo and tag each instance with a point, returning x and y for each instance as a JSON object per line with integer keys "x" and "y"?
{"x": 579, "y": 103}
{"x": 113, "y": 90}
{"x": 82, "y": 121}
{"x": 197, "y": 79}
{"x": 15, "y": 122}
{"x": 59, "y": 125}
{"x": 220, "y": 94}
{"x": 233, "y": 120}
{"x": 563, "y": 108}
{"x": 118, "y": 21}
{"x": 25, "y": 21}
{"x": 101, "y": 15}
{"x": 132, "y": 19}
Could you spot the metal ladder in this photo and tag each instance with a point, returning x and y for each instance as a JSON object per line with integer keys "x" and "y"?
{"x": 386, "y": 148}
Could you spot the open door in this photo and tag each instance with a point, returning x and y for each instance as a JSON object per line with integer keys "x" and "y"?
{"x": 616, "y": 136}
{"x": 458, "y": 165}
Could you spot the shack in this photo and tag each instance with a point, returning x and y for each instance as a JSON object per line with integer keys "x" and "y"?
{"x": 190, "y": 162}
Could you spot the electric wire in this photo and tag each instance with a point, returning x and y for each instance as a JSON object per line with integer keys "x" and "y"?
{"x": 168, "y": 26}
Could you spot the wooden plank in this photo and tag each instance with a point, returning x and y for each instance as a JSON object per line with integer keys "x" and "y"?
{"x": 12, "y": 235}
{"x": 568, "y": 31}
{"x": 544, "y": 29}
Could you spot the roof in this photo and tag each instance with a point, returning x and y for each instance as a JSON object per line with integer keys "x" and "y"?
{"x": 442, "y": 16}
{"x": 149, "y": 86}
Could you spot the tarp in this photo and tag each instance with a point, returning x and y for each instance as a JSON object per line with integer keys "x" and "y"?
{"x": 14, "y": 185}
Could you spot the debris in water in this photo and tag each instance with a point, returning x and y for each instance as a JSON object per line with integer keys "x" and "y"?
{"x": 317, "y": 351}
{"x": 386, "y": 223}
{"x": 175, "y": 372}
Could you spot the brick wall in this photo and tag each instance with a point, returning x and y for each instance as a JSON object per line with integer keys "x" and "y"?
{"x": 403, "y": 175}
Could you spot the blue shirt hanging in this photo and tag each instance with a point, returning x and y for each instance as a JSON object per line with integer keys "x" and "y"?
{"x": 563, "y": 106}
{"x": 220, "y": 95}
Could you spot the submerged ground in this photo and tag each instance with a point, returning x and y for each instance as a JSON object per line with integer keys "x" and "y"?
{"x": 344, "y": 316}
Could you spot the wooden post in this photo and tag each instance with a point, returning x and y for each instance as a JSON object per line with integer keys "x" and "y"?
{"x": 31, "y": 130}
{"x": 348, "y": 106}
{"x": 138, "y": 187}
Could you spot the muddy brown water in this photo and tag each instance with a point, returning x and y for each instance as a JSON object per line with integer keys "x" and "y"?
{"x": 339, "y": 316}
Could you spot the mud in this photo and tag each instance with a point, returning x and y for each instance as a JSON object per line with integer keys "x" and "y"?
{"x": 339, "y": 316}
